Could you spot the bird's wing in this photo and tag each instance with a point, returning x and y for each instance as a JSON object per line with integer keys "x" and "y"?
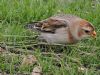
{"x": 50, "y": 25}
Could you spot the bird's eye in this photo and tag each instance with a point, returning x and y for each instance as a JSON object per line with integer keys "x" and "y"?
{"x": 86, "y": 31}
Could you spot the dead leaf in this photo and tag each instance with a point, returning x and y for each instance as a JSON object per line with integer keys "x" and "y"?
{"x": 37, "y": 70}
{"x": 82, "y": 68}
{"x": 29, "y": 60}
{"x": 1, "y": 50}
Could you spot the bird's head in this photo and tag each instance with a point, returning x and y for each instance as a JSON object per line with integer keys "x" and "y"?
{"x": 86, "y": 30}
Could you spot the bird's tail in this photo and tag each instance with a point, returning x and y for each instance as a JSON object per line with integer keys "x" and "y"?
{"x": 33, "y": 25}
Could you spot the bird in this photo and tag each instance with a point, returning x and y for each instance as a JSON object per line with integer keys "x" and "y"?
{"x": 63, "y": 29}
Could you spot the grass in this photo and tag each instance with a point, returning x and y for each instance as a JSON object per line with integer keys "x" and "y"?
{"x": 15, "y": 14}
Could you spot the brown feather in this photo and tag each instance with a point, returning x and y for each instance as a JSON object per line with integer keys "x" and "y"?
{"x": 51, "y": 25}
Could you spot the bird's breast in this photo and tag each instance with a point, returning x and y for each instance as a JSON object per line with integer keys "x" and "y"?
{"x": 59, "y": 37}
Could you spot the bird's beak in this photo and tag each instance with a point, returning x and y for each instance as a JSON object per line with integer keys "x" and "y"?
{"x": 93, "y": 34}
